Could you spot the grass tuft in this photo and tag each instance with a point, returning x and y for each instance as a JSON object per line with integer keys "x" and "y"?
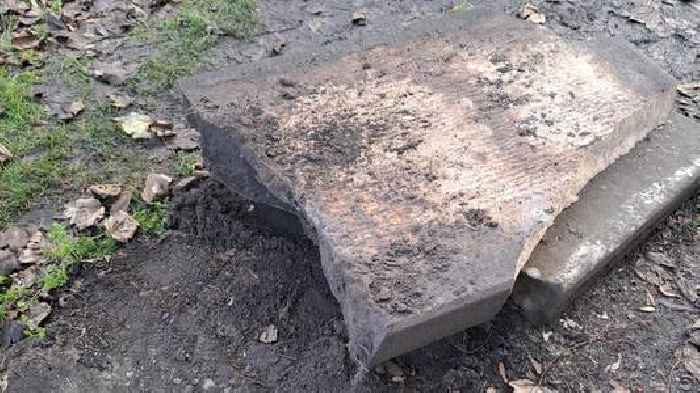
{"x": 152, "y": 218}
{"x": 183, "y": 40}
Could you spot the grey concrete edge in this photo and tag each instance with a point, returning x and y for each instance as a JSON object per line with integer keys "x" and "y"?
{"x": 616, "y": 211}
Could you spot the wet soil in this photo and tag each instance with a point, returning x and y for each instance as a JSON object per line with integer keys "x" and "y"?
{"x": 185, "y": 313}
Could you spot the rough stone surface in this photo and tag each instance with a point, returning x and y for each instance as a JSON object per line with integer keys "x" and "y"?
{"x": 121, "y": 226}
{"x": 8, "y": 263}
{"x": 428, "y": 167}
{"x": 615, "y": 212}
{"x": 156, "y": 186}
{"x": 15, "y": 238}
{"x": 85, "y": 212}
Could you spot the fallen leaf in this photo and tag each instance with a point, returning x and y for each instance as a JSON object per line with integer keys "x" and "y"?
{"x": 269, "y": 335}
{"x": 17, "y": 7}
{"x": 25, "y": 40}
{"x": 688, "y": 289}
{"x": 691, "y": 360}
{"x": 135, "y": 125}
{"x": 617, "y": 387}
{"x": 530, "y": 12}
{"x": 5, "y": 154}
{"x": 536, "y": 365}
{"x": 119, "y": 102}
{"x": 502, "y": 372}
{"x": 615, "y": 366}
{"x": 527, "y": 386}
{"x": 162, "y": 128}
{"x": 85, "y": 212}
{"x": 661, "y": 259}
{"x": 106, "y": 191}
{"x": 668, "y": 291}
{"x": 157, "y": 186}
{"x": 121, "y": 226}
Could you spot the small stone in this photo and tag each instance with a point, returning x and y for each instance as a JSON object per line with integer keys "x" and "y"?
{"x": 530, "y": 12}
{"x": 135, "y": 124}
{"x": 37, "y": 314}
{"x": 26, "y": 39}
{"x": 121, "y": 226}
{"x": 8, "y": 263}
{"x": 208, "y": 384}
{"x": 661, "y": 259}
{"x": 185, "y": 183}
{"x": 269, "y": 335}
{"x": 31, "y": 256}
{"x": 122, "y": 203}
{"x": 162, "y": 128}
{"x": 106, "y": 191}
{"x": 115, "y": 74}
{"x": 395, "y": 372}
{"x": 15, "y": 238}
{"x": 119, "y": 102}
{"x": 11, "y": 332}
{"x": 157, "y": 186}
{"x": 359, "y": 18}
{"x": 73, "y": 109}
{"x": 201, "y": 174}
{"x": 5, "y": 154}
{"x": 185, "y": 139}
{"x": 85, "y": 212}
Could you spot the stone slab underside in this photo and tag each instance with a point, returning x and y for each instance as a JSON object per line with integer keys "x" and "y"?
{"x": 615, "y": 211}
{"x": 426, "y": 168}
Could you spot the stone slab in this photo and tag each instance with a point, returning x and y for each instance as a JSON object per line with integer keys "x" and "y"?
{"x": 427, "y": 162}
{"x": 615, "y": 212}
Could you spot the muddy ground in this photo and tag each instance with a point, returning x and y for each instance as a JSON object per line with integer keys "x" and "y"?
{"x": 185, "y": 313}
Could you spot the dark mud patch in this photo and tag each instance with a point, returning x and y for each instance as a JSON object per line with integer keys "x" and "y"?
{"x": 187, "y": 312}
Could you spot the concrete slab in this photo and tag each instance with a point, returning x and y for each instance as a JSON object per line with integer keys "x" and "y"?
{"x": 615, "y": 212}
{"x": 427, "y": 167}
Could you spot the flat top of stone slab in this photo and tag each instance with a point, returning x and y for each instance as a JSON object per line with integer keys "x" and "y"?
{"x": 430, "y": 168}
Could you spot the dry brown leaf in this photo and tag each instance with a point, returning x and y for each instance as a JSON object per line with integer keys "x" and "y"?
{"x": 691, "y": 360}
{"x": 527, "y": 386}
{"x": 25, "y": 40}
{"x": 618, "y": 387}
{"x": 5, "y": 154}
{"x": 502, "y": 372}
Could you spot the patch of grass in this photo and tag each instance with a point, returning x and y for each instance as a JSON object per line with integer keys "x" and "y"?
{"x": 183, "y": 40}
{"x": 39, "y": 152}
{"x": 152, "y": 218}
{"x": 66, "y": 250}
{"x": 73, "y": 71}
{"x": 8, "y": 24}
{"x": 184, "y": 163}
{"x": 16, "y": 296}
{"x": 55, "y": 6}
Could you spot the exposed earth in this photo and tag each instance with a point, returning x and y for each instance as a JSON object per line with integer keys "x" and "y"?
{"x": 223, "y": 304}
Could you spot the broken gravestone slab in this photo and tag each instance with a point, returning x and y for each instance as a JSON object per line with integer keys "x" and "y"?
{"x": 428, "y": 167}
{"x": 617, "y": 210}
